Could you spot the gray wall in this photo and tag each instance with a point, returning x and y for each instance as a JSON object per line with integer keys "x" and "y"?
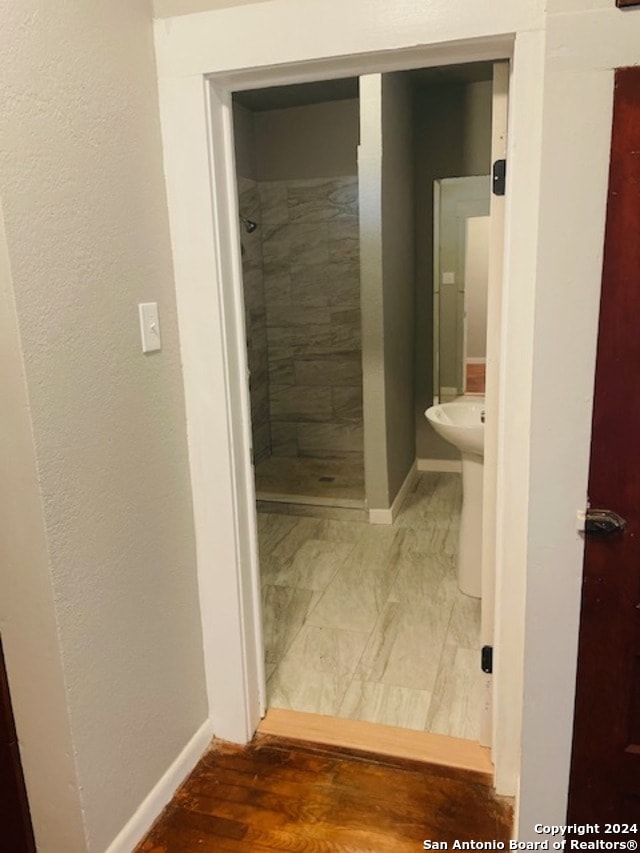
{"x": 244, "y": 141}
{"x": 452, "y": 138}
{"x": 315, "y": 141}
{"x": 385, "y": 170}
{"x": 398, "y": 275}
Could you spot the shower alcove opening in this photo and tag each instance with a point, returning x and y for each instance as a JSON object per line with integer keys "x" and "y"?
{"x": 298, "y": 184}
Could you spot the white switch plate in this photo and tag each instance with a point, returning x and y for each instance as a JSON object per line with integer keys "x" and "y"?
{"x": 149, "y": 326}
{"x": 448, "y": 278}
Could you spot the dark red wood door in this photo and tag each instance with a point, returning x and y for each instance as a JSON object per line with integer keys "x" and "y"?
{"x": 605, "y": 771}
{"x": 15, "y": 823}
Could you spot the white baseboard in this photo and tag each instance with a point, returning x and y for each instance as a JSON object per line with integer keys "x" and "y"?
{"x": 150, "y": 808}
{"x": 476, "y": 361}
{"x": 388, "y": 516}
{"x": 442, "y": 465}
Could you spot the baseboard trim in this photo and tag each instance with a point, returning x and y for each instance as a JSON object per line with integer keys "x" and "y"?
{"x": 380, "y": 739}
{"x": 453, "y": 466}
{"x": 388, "y": 516}
{"x": 160, "y": 795}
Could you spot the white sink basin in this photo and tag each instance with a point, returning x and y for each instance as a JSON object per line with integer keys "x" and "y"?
{"x": 460, "y": 423}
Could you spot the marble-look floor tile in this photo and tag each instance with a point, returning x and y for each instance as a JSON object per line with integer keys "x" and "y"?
{"x": 301, "y": 530}
{"x": 341, "y": 531}
{"x": 284, "y": 611}
{"x": 358, "y": 593}
{"x": 430, "y": 533}
{"x": 313, "y": 566}
{"x": 423, "y": 579}
{"x": 317, "y": 670}
{"x": 386, "y": 704}
{"x": 272, "y": 529}
{"x": 386, "y": 635}
{"x": 455, "y": 706}
{"x": 405, "y": 646}
{"x": 464, "y": 627}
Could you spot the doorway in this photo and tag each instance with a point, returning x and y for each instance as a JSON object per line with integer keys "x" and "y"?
{"x": 360, "y": 621}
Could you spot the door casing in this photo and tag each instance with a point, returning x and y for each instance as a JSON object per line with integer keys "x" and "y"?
{"x": 203, "y": 215}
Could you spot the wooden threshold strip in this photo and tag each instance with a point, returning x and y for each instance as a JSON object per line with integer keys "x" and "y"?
{"x": 389, "y": 741}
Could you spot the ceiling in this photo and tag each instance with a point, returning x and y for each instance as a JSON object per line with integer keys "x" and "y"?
{"x": 298, "y": 95}
{"x": 303, "y": 94}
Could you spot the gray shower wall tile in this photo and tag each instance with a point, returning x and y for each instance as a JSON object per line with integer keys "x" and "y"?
{"x": 333, "y": 369}
{"x": 300, "y": 403}
{"x": 309, "y": 243}
{"x": 297, "y": 315}
{"x": 307, "y": 271}
{"x": 276, "y": 244}
{"x": 255, "y": 320}
{"x": 322, "y": 437}
{"x": 347, "y": 403}
{"x": 310, "y": 284}
{"x": 281, "y": 370}
{"x": 343, "y": 283}
{"x": 274, "y": 208}
{"x": 277, "y": 288}
{"x": 284, "y": 438}
{"x": 343, "y": 240}
{"x": 322, "y": 200}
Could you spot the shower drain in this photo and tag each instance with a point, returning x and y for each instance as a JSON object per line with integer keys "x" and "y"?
{"x": 326, "y": 479}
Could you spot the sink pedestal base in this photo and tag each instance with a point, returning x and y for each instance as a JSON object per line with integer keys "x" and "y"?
{"x": 470, "y": 546}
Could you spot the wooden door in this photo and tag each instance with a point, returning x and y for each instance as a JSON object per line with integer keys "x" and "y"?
{"x": 15, "y": 823}
{"x": 605, "y": 771}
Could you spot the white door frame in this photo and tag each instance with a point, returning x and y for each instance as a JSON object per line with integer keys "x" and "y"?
{"x": 200, "y": 174}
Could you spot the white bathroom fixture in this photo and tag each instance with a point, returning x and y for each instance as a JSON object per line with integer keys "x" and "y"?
{"x": 461, "y": 423}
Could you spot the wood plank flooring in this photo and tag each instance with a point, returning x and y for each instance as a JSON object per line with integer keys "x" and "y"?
{"x": 279, "y": 795}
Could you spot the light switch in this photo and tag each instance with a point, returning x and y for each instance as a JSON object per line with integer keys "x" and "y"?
{"x": 149, "y": 326}
{"x": 448, "y": 278}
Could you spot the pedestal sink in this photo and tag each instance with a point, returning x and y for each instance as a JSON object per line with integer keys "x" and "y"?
{"x": 461, "y": 423}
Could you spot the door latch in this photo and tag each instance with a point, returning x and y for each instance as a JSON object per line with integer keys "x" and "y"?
{"x": 603, "y": 522}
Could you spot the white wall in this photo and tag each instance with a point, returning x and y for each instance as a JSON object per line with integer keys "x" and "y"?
{"x": 558, "y": 152}
{"x": 98, "y": 599}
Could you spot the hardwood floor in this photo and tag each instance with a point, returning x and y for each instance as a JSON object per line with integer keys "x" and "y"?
{"x": 279, "y": 795}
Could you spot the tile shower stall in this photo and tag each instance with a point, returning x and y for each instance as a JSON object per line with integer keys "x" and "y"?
{"x": 302, "y": 306}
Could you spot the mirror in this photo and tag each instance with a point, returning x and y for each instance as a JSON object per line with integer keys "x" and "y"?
{"x": 461, "y": 252}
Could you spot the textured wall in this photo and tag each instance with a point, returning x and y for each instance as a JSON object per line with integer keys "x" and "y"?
{"x": 167, "y": 8}
{"x": 87, "y": 237}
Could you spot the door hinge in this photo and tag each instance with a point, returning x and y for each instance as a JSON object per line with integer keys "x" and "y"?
{"x": 499, "y": 177}
{"x": 486, "y": 659}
